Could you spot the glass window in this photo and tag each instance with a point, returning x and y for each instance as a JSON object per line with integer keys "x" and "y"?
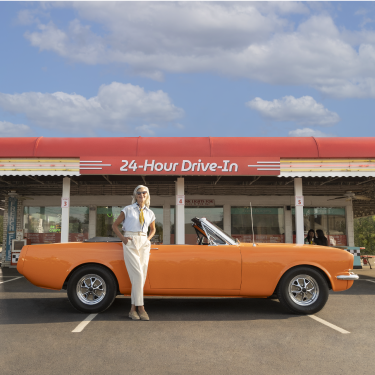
{"x": 158, "y": 238}
{"x": 107, "y": 215}
{"x": 43, "y": 224}
{"x": 331, "y": 221}
{"x": 78, "y": 224}
{"x": 214, "y": 214}
{"x": 268, "y": 224}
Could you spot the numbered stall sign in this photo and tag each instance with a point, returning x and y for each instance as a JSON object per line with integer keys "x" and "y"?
{"x": 299, "y": 200}
{"x": 64, "y": 202}
{"x": 180, "y": 200}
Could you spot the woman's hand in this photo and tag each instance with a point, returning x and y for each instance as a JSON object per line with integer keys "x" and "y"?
{"x": 126, "y": 239}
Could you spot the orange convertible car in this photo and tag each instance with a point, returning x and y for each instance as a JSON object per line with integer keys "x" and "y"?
{"x": 94, "y": 272}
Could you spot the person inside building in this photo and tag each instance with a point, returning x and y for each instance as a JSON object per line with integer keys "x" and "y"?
{"x": 136, "y": 219}
{"x": 310, "y": 239}
{"x": 321, "y": 238}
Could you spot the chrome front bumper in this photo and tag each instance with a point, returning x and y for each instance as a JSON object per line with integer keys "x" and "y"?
{"x": 351, "y": 276}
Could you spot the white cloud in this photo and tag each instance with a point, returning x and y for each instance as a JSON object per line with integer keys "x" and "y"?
{"x": 117, "y": 107}
{"x": 26, "y": 17}
{"x": 247, "y": 39}
{"x": 361, "y": 12}
{"x": 307, "y": 132}
{"x": 161, "y": 36}
{"x": 147, "y": 129}
{"x": 8, "y": 129}
{"x": 304, "y": 110}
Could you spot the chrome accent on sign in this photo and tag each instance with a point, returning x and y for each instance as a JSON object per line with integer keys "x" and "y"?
{"x": 303, "y": 290}
{"x": 266, "y": 166}
{"x": 93, "y": 165}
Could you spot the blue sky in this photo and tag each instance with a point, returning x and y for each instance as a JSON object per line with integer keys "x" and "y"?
{"x": 187, "y": 69}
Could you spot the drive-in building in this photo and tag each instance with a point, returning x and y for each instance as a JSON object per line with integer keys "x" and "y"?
{"x": 71, "y": 189}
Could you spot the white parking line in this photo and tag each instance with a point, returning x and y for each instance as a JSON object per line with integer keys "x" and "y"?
{"x": 371, "y": 281}
{"x": 6, "y": 276}
{"x": 84, "y": 323}
{"x": 328, "y": 324}
{"x": 7, "y": 281}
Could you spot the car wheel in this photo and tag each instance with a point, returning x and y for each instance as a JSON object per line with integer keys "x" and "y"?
{"x": 92, "y": 289}
{"x": 303, "y": 290}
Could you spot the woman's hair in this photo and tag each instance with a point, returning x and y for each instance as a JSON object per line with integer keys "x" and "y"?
{"x": 322, "y": 239}
{"x": 308, "y": 233}
{"x": 320, "y": 233}
{"x": 134, "y": 196}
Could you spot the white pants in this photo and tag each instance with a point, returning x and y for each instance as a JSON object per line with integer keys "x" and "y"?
{"x": 136, "y": 256}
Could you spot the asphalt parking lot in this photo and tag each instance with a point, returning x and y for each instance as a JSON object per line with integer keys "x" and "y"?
{"x": 185, "y": 335}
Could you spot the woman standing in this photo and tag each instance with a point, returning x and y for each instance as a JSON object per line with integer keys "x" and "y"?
{"x": 136, "y": 219}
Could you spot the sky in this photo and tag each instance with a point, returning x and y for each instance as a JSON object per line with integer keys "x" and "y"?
{"x": 182, "y": 69}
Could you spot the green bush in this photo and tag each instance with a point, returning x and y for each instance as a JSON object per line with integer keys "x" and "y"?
{"x": 364, "y": 234}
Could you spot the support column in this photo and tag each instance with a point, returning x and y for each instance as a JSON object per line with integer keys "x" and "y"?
{"x": 65, "y": 208}
{"x": 288, "y": 222}
{"x": 227, "y": 219}
{"x": 298, "y": 192}
{"x": 349, "y": 224}
{"x": 180, "y": 212}
{"x": 166, "y": 224}
{"x": 92, "y": 221}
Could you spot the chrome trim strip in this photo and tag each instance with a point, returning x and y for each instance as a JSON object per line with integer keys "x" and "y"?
{"x": 351, "y": 276}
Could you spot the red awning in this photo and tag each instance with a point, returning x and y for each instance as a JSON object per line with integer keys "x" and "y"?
{"x": 307, "y": 147}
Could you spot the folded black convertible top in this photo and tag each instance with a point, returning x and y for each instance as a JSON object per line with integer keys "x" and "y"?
{"x": 103, "y": 239}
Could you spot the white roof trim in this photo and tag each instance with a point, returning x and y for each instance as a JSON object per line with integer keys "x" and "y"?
{"x": 327, "y": 174}
{"x": 39, "y": 167}
{"x": 38, "y": 173}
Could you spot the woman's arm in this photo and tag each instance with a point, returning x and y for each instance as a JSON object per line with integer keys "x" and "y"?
{"x": 115, "y": 225}
{"x": 152, "y": 230}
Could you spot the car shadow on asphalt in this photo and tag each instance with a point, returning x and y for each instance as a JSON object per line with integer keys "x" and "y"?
{"x": 59, "y": 310}
{"x": 202, "y": 309}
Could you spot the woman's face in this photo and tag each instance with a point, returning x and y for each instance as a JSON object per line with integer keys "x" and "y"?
{"x": 311, "y": 234}
{"x": 141, "y": 196}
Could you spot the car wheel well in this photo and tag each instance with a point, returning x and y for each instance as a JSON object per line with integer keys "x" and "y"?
{"x": 309, "y": 266}
{"x": 65, "y": 285}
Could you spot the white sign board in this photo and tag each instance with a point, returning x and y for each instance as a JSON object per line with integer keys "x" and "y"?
{"x": 19, "y": 234}
{"x": 180, "y": 200}
{"x": 65, "y": 203}
{"x": 200, "y": 202}
{"x": 299, "y": 200}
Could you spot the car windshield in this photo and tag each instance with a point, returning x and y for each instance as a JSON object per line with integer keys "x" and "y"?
{"x": 219, "y": 231}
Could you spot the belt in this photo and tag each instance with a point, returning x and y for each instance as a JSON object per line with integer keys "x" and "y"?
{"x": 136, "y": 233}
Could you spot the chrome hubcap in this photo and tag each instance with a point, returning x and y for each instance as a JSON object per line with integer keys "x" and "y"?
{"x": 91, "y": 289}
{"x": 303, "y": 290}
